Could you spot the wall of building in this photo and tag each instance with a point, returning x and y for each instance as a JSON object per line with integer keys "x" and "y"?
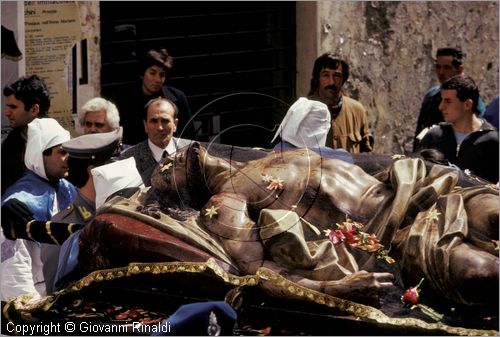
{"x": 13, "y": 20}
{"x": 91, "y": 31}
{"x": 44, "y": 33}
{"x": 390, "y": 47}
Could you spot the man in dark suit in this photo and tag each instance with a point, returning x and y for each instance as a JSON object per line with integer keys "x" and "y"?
{"x": 160, "y": 122}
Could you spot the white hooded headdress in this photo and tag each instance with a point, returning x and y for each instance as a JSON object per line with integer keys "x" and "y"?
{"x": 306, "y": 124}
{"x": 113, "y": 177}
{"x": 43, "y": 133}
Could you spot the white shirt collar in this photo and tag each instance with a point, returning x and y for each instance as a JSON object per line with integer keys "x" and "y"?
{"x": 158, "y": 152}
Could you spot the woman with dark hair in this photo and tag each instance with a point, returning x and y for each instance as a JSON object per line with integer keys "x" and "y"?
{"x": 154, "y": 69}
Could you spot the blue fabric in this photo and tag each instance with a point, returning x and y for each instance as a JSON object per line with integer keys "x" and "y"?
{"x": 491, "y": 113}
{"x": 323, "y": 151}
{"x": 39, "y": 195}
{"x": 432, "y": 91}
{"x": 68, "y": 259}
{"x": 200, "y": 319}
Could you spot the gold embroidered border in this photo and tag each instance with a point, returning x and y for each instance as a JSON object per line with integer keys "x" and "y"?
{"x": 25, "y": 303}
{"x": 28, "y": 229}
{"x": 49, "y": 232}
{"x": 163, "y": 268}
{"x": 70, "y": 228}
{"x": 364, "y": 311}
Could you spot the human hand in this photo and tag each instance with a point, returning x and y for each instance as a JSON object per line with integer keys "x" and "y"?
{"x": 15, "y": 216}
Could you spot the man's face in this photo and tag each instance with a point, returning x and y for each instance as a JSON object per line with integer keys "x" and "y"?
{"x": 330, "y": 84}
{"x": 56, "y": 165}
{"x": 154, "y": 77}
{"x": 16, "y": 113}
{"x": 96, "y": 122}
{"x": 161, "y": 123}
{"x": 445, "y": 69}
{"x": 452, "y": 108}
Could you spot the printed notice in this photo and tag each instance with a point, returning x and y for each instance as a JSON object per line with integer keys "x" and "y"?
{"x": 52, "y": 29}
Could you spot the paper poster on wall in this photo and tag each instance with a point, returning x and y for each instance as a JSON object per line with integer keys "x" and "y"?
{"x": 51, "y": 30}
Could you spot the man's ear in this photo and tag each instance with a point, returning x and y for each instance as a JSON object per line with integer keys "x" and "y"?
{"x": 144, "y": 123}
{"x": 176, "y": 122}
{"x": 469, "y": 103}
{"x": 461, "y": 68}
{"x": 35, "y": 110}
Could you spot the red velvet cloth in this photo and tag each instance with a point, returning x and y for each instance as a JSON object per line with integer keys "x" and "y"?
{"x": 115, "y": 240}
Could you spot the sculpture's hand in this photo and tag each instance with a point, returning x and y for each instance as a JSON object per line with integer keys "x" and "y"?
{"x": 361, "y": 286}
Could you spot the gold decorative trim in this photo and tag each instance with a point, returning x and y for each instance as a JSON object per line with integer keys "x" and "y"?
{"x": 364, "y": 311}
{"x": 70, "y": 228}
{"x": 162, "y": 268}
{"x": 28, "y": 229}
{"x": 49, "y": 232}
{"x": 25, "y": 303}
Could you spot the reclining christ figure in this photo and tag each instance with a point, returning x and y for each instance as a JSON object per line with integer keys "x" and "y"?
{"x": 274, "y": 211}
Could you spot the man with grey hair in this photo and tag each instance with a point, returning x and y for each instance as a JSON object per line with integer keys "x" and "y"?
{"x": 98, "y": 115}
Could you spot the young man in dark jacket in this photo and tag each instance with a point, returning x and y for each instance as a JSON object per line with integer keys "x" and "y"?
{"x": 467, "y": 141}
{"x": 448, "y": 63}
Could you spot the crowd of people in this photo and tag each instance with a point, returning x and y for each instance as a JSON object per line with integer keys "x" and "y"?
{"x": 47, "y": 176}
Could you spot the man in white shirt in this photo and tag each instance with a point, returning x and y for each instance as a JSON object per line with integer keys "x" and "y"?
{"x": 160, "y": 123}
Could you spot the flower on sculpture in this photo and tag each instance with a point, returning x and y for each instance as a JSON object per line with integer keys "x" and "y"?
{"x": 210, "y": 212}
{"x": 266, "y": 177}
{"x": 274, "y": 183}
{"x": 335, "y": 236}
{"x": 165, "y": 167}
{"x": 368, "y": 242}
{"x": 432, "y": 216}
{"x": 350, "y": 232}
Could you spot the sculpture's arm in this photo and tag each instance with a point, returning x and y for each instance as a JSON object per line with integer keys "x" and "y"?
{"x": 361, "y": 286}
{"x": 241, "y": 240}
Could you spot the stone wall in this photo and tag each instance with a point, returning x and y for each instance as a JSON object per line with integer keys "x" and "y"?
{"x": 390, "y": 47}
{"x": 91, "y": 30}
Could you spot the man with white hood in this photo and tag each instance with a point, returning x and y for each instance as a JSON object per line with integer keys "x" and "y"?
{"x": 45, "y": 192}
{"x": 306, "y": 125}
{"x": 95, "y": 180}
